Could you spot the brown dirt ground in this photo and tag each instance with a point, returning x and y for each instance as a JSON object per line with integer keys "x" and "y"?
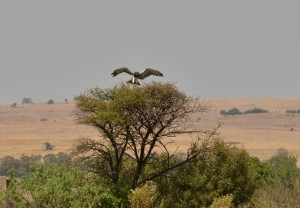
{"x": 23, "y": 132}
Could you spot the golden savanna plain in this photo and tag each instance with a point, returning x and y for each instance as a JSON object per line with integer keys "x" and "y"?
{"x": 25, "y": 128}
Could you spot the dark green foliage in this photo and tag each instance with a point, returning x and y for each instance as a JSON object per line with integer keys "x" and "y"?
{"x": 62, "y": 158}
{"x": 223, "y": 112}
{"x": 235, "y": 111}
{"x": 262, "y": 170}
{"x": 255, "y": 110}
{"x": 50, "y": 101}
{"x": 17, "y": 166}
{"x": 281, "y": 187}
{"x": 26, "y": 161}
{"x": 21, "y": 166}
{"x": 10, "y": 163}
{"x": 59, "y": 186}
{"x": 232, "y": 112}
{"x": 50, "y": 159}
{"x": 27, "y": 101}
{"x": 293, "y": 111}
{"x": 224, "y": 171}
{"x": 48, "y": 146}
{"x": 284, "y": 168}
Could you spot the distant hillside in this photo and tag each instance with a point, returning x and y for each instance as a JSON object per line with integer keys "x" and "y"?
{"x": 25, "y": 128}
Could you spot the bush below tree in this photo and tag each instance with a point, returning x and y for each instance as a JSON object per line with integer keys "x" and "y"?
{"x": 226, "y": 175}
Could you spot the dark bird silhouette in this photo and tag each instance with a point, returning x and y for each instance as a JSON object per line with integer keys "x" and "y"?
{"x": 137, "y": 75}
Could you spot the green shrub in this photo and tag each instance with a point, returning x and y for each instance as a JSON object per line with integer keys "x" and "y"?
{"x": 223, "y": 112}
{"x": 255, "y": 110}
{"x": 27, "y": 101}
{"x": 284, "y": 168}
{"x": 50, "y": 102}
{"x": 235, "y": 111}
{"x": 277, "y": 196}
{"x": 282, "y": 187}
{"x": 223, "y": 170}
{"x": 232, "y": 112}
{"x": 293, "y": 111}
{"x": 262, "y": 170}
{"x": 144, "y": 196}
{"x": 222, "y": 202}
{"x": 48, "y": 146}
{"x": 20, "y": 166}
{"x": 2, "y": 198}
{"x": 59, "y": 186}
{"x": 14, "y": 105}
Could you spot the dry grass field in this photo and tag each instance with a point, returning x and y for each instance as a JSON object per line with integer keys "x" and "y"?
{"x": 24, "y": 129}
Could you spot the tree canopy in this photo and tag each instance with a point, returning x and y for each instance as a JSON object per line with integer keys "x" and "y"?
{"x": 133, "y": 123}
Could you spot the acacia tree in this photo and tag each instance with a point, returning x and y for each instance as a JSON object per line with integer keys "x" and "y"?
{"x": 133, "y": 123}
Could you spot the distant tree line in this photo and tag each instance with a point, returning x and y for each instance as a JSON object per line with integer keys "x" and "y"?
{"x": 236, "y": 111}
{"x": 27, "y": 101}
{"x": 19, "y": 166}
{"x": 293, "y": 111}
{"x": 30, "y": 101}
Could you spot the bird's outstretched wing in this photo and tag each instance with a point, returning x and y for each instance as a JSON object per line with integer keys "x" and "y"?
{"x": 147, "y": 72}
{"x": 121, "y": 70}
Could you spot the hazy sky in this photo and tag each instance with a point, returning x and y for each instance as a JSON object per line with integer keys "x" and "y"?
{"x": 212, "y": 49}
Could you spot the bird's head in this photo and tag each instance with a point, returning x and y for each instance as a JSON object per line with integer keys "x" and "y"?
{"x": 136, "y": 74}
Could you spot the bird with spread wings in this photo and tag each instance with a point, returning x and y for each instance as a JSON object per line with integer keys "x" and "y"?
{"x": 137, "y": 75}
